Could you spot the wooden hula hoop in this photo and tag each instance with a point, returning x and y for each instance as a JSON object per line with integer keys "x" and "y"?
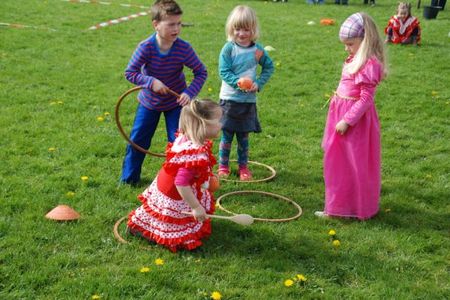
{"x": 272, "y": 175}
{"x": 218, "y": 204}
{"x": 119, "y": 238}
{"x": 122, "y": 131}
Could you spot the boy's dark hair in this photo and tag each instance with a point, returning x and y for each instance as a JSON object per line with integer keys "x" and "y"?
{"x": 163, "y": 8}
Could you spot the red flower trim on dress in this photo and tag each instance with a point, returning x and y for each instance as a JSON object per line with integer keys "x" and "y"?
{"x": 204, "y": 166}
{"x": 164, "y": 218}
{"x": 177, "y": 243}
{"x": 169, "y": 219}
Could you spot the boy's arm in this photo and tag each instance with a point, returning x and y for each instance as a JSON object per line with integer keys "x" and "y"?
{"x": 267, "y": 68}
{"x": 133, "y": 71}
{"x": 199, "y": 71}
{"x": 225, "y": 64}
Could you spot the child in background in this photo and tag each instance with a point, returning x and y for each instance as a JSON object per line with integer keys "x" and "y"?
{"x": 157, "y": 65}
{"x": 316, "y": 1}
{"x": 351, "y": 142}
{"x": 403, "y": 28}
{"x": 182, "y": 184}
{"x": 239, "y": 59}
{"x": 372, "y": 2}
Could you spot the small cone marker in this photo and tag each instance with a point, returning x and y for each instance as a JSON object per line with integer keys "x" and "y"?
{"x": 62, "y": 213}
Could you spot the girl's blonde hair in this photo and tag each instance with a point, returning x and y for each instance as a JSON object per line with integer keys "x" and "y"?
{"x": 194, "y": 118}
{"x": 404, "y": 6}
{"x": 371, "y": 45}
{"x": 242, "y": 16}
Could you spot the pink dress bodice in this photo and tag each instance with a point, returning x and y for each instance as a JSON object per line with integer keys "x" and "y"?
{"x": 370, "y": 74}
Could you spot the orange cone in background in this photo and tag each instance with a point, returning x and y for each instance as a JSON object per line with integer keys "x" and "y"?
{"x": 327, "y": 22}
{"x": 62, "y": 213}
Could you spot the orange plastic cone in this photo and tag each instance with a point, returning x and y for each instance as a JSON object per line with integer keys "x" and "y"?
{"x": 62, "y": 213}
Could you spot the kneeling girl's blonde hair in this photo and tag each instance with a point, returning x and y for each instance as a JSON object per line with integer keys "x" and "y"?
{"x": 194, "y": 117}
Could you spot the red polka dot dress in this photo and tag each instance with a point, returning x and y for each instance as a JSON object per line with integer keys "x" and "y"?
{"x": 159, "y": 218}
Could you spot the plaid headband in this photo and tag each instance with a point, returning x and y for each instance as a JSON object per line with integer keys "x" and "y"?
{"x": 353, "y": 27}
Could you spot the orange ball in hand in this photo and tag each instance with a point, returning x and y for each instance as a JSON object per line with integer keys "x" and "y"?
{"x": 245, "y": 83}
{"x": 214, "y": 184}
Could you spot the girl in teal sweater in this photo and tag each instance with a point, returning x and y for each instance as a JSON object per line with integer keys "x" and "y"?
{"x": 239, "y": 59}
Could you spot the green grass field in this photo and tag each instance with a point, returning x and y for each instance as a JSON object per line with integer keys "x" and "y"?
{"x": 59, "y": 85}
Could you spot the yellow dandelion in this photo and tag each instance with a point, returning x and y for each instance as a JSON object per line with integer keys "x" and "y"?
{"x": 144, "y": 270}
{"x": 106, "y": 113}
{"x": 51, "y": 149}
{"x": 210, "y": 89}
{"x": 96, "y": 297}
{"x": 332, "y": 232}
{"x": 70, "y": 194}
{"x": 84, "y": 178}
{"x": 336, "y": 243}
{"x": 216, "y": 295}
{"x": 301, "y": 277}
{"x": 288, "y": 282}
{"x": 278, "y": 64}
{"x": 159, "y": 262}
{"x": 100, "y": 119}
{"x": 434, "y": 93}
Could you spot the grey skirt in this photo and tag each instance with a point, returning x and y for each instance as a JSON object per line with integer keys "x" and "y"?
{"x": 239, "y": 117}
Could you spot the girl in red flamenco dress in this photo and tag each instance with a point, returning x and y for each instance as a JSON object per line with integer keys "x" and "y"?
{"x": 403, "y": 28}
{"x": 182, "y": 184}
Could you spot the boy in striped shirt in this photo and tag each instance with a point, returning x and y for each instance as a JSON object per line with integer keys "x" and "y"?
{"x": 157, "y": 65}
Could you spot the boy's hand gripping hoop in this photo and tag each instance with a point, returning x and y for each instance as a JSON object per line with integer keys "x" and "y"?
{"x": 122, "y": 131}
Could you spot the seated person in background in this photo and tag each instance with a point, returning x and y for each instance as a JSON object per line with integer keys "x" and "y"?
{"x": 403, "y": 28}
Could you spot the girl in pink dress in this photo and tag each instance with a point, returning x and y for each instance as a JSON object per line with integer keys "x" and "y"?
{"x": 182, "y": 184}
{"x": 351, "y": 141}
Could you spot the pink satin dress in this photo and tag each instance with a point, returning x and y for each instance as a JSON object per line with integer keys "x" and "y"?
{"x": 352, "y": 162}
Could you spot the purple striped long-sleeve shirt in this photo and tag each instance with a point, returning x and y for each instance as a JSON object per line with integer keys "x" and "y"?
{"x": 148, "y": 63}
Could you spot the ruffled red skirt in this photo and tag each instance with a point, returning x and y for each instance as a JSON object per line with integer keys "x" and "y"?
{"x": 159, "y": 218}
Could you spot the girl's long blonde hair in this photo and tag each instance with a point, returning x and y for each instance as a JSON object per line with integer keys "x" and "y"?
{"x": 371, "y": 45}
{"x": 194, "y": 118}
{"x": 242, "y": 16}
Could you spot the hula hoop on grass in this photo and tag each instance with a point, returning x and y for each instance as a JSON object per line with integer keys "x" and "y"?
{"x": 271, "y": 176}
{"x": 299, "y": 213}
{"x": 119, "y": 238}
{"x": 122, "y": 131}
